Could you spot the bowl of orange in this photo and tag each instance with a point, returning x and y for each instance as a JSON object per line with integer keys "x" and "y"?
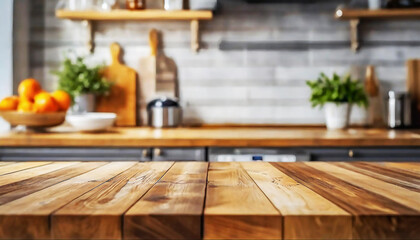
{"x": 35, "y": 107}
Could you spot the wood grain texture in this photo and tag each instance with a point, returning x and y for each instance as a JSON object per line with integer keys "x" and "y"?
{"x": 172, "y": 209}
{"x": 18, "y": 189}
{"x": 398, "y": 194}
{"x": 195, "y": 200}
{"x": 33, "y": 172}
{"x": 216, "y": 136}
{"x": 122, "y": 98}
{"x": 405, "y": 179}
{"x": 236, "y": 208}
{"x": 405, "y": 168}
{"x": 97, "y": 214}
{"x": 20, "y": 166}
{"x": 28, "y": 217}
{"x": 301, "y": 207}
{"x": 374, "y": 216}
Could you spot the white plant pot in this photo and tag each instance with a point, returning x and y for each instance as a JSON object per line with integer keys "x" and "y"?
{"x": 337, "y": 115}
{"x": 375, "y": 4}
{"x": 84, "y": 103}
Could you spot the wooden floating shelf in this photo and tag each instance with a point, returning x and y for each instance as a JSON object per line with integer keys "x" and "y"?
{"x": 141, "y": 15}
{"x": 347, "y": 14}
{"x": 355, "y": 15}
{"x": 116, "y": 15}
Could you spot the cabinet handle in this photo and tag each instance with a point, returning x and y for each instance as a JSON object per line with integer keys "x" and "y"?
{"x": 157, "y": 152}
{"x": 145, "y": 153}
{"x": 351, "y": 153}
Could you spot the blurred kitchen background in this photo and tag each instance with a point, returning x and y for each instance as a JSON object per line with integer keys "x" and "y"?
{"x": 253, "y": 62}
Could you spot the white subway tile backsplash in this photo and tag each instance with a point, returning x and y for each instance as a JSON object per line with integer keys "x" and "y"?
{"x": 240, "y": 86}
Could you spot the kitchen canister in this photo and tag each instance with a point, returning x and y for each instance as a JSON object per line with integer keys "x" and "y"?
{"x": 399, "y": 110}
{"x": 164, "y": 112}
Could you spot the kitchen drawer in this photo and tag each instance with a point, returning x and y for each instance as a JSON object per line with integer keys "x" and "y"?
{"x": 179, "y": 154}
{"x": 407, "y": 154}
{"x": 75, "y": 154}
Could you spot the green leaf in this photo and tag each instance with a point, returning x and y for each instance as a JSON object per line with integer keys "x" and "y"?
{"x": 337, "y": 89}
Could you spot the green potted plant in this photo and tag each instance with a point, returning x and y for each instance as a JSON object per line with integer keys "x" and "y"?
{"x": 337, "y": 95}
{"x": 83, "y": 83}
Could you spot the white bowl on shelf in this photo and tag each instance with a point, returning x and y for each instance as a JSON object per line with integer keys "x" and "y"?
{"x": 91, "y": 122}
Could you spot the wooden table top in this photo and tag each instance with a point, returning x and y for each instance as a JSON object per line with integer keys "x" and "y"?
{"x": 195, "y": 200}
{"x": 215, "y": 136}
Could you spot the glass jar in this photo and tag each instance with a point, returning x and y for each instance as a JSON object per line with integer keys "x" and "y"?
{"x": 135, "y": 4}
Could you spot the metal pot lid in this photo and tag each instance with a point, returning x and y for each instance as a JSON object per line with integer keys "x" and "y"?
{"x": 162, "y": 102}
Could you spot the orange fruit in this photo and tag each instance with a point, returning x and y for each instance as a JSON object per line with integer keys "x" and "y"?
{"x": 25, "y": 106}
{"x": 9, "y": 103}
{"x": 28, "y": 88}
{"x": 44, "y": 103}
{"x": 63, "y": 99}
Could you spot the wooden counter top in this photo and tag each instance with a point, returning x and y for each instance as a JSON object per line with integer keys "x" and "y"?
{"x": 222, "y": 136}
{"x": 195, "y": 200}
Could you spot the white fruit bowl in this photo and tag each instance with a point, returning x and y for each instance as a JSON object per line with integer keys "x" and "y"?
{"x": 91, "y": 122}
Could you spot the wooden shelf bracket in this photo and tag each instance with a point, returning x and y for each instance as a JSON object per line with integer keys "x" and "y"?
{"x": 195, "y": 35}
{"x": 90, "y": 43}
{"x": 354, "y": 34}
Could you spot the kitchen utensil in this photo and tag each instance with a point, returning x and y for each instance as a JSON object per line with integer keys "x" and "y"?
{"x": 375, "y": 101}
{"x": 413, "y": 87}
{"x": 33, "y": 120}
{"x": 147, "y": 83}
{"x": 90, "y": 122}
{"x": 122, "y": 97}
{"x": 174, "y": 5}
{"x": 164, "y": 112}
{"x": 399, "y": 110}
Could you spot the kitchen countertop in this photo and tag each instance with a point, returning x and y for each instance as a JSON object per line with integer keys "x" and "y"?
{"x": 214, "y": 136}
{"x": 194, "y": 200}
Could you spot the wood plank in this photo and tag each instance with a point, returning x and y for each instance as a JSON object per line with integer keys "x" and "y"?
{"x": 236, "y": 208}
{"x": 401, "y": 195}
{"x": 406, "y": 179}
{"x": 20, "y": 166}
{"x": 5, "y": 163}
{"x": 404, "y": 167}
{"x": 374, "y": 216}
{"x": 32, "y": 172}
{"x": 150, "y": 14}
{"x": 98, "y": 213}
{"x": 28, "y": 217}
{"x": 172, "y": 209}
{"x": 301, "y": 207}
{"x": 18, "y": 189}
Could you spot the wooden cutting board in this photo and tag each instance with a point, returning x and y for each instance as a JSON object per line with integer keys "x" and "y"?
{"x": 158, "y": 76}
{"x": 147, "y": 82}
{"x": 413, "y": 87}
{"x": 122, "y": 97}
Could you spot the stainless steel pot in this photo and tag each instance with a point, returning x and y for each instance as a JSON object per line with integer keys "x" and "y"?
{"x": 164, "y": 112}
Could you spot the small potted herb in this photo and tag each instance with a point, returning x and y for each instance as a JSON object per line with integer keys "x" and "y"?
{"x": 83, "y": 83}
{"x": 337, "y": 94}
